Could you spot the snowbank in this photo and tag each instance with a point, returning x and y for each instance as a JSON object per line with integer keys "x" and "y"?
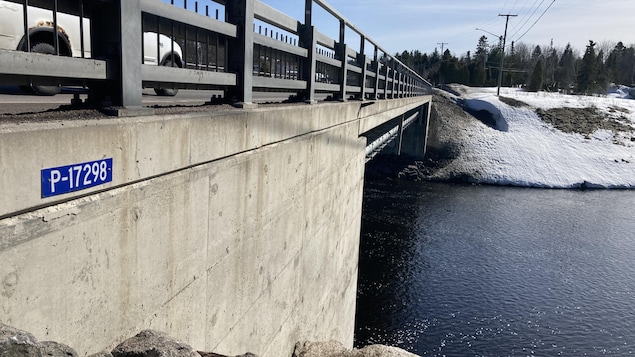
{"x": 523, "y": 150}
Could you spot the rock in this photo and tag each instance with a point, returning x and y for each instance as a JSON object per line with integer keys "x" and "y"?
{"x": 212, "y": 354}
{"x": 336, "y": 349}
{"x": 14, "y": 342}
{"x": 382, "y": 351}
{"x": 54, "y": 349}
{"x": 101, "y": 354}
{"x": 149, "y": 343}
{"x": 320, "y": 349}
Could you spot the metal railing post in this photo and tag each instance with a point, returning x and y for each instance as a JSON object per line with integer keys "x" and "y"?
{"x": 361, "y": 59}
{"x": 386, "y": 78}
{"x": 116, "y": 37}
{"x": 131, "y": 33}
{"x": 394, "y": 90}
{"x": 308, "y": 40}
{"x": 342, "y": 52}
{"x": 376, "y": 66}
{"x": 240, "y": 53}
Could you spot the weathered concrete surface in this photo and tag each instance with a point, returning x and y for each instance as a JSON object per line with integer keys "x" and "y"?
{"x": 233, "y": 231}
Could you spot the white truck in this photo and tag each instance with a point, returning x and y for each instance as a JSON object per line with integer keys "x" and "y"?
{"x": 41, "y": 40}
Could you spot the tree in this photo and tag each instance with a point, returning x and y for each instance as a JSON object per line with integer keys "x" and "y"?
{"x": 535, "y": 84}
{"x": 587, "y": 77}
{"x": 566, "y": 73}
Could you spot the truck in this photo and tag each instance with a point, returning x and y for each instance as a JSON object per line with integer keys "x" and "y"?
{"x": 41, "y": 39}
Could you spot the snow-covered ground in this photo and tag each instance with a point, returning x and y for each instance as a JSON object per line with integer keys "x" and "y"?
{"x": 523, "y": 150}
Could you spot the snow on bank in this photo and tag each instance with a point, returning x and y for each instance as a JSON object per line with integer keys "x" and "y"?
{"x": 522, "y": 150}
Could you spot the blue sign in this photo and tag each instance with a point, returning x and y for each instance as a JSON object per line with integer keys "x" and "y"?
{"x": 65, "y": 179}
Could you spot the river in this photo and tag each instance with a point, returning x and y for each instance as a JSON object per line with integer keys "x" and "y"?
{"x": 463, "y": 270}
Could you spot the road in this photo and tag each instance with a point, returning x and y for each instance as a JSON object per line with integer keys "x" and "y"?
{"x": 15, "y": 101}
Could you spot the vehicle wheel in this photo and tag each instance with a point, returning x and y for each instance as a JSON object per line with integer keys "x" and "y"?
{"x": 45, "y": 48}
{"x": 167, "y": 92}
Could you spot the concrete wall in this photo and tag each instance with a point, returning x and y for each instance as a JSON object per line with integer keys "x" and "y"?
{"x": 232, "y": 231}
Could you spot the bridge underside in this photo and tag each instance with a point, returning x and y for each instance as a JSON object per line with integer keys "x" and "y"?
{"x": 232, "y": 231}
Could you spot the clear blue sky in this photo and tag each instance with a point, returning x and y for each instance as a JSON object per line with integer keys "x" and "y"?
{"x": 399, "y": 25}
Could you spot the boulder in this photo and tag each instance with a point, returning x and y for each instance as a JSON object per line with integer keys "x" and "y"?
{"x": 320, "y": 349}
{"x": 381, "y": 351}
{"x": 102, "y": 354}
{"x": 212, "y": 354}
{"x": 150, "y": 343}
{"x": 14, "y": 342}
{"x": 54, "y": 349}
{"x": 336, "y": 349}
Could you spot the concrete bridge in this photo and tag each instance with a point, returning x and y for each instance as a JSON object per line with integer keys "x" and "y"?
{"x": 232, "y": 229}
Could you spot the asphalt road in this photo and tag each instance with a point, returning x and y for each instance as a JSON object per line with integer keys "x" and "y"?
{"x": 15, "y": 101}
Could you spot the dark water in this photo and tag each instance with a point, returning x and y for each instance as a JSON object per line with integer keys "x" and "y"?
{"x": 497, "y": 271}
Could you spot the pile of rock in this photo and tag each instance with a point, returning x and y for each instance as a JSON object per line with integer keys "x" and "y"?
{"x": 149, "y": 343}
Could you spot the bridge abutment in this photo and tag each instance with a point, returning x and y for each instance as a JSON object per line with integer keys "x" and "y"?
{"x": 233, "y": 231}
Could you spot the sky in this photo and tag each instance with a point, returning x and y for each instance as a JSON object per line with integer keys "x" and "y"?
{"x": 398, "y": 25}
{"x": 422, "y": 25}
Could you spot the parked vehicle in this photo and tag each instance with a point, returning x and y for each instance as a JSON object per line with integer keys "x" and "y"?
{"x": 42, "y": 40}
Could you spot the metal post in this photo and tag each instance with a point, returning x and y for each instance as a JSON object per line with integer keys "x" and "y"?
{"x": 394, "y": 79}
{"x": 308, "y": 12}
{"x": 131, "y": 86}
{"x": 308, "y": 40}
{"x": 116, "y": 36}
{"x": 342, "y": 52}
{"x": 56, "y": 38}
{"x": 240, "y": 54}
{"x": 361, "y": 59}
{"x": 25, "y": 18}
{"x": 386, "y": 74}
{"x": 377, "y": 66}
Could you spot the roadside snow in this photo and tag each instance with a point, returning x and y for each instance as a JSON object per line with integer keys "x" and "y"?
{"x": 525, "y": 151}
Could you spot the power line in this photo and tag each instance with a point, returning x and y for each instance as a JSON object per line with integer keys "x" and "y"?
{"x": 541, "y": 15}
{"x": 528, "y": 18}
{"x": 442, "y": 46}
{"x": 526, "y": 10}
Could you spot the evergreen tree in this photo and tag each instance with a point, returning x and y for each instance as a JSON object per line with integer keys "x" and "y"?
{"x": 566, "y": 73}
{"x": 601, "y": 76}
{"x": 587, "y": 76}
{"x": 536, "y": 55}
{"x": 551, "y": 62}
{"x": 535, "y": 84}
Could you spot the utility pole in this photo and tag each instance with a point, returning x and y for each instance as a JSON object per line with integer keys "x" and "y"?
{"x": 442, "y": 46}
{"x": 500, "y": 70}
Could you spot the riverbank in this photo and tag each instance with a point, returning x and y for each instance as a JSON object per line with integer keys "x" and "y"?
{"x": 525, "y": 139}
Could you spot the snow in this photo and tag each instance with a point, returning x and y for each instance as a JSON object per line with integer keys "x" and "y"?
{"x": 525, "y": 151}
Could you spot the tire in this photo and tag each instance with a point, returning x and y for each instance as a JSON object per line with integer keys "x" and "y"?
{"x": 167, "y": 92}
{"x": 45, "y": 48}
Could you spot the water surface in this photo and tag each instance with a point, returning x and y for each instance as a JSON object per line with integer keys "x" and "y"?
{"x": 495, "y": 271}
